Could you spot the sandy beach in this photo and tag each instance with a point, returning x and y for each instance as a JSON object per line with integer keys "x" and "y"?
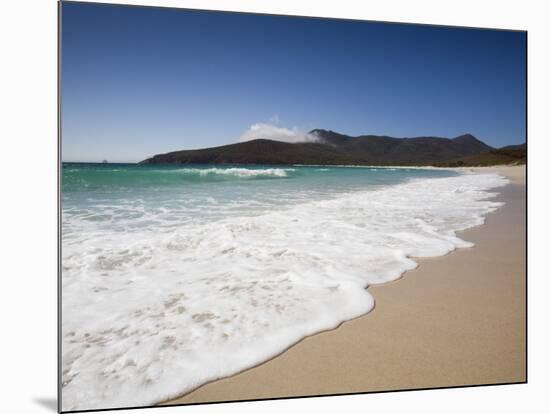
{"x": 455, "y": 320}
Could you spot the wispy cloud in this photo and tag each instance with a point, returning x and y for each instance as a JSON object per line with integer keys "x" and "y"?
{"x": 275, "y": 119}
{"x": 276, "y": 133}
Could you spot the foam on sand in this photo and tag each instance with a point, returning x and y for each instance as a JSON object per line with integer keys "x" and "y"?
{"x": 149, "y": 313}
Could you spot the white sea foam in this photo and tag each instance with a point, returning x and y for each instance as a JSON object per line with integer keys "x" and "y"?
{"x": 237, "y": 172}
{"x": 153, "y": 312}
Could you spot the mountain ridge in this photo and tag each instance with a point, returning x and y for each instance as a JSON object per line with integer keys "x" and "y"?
{"x": 333, "y": 148}
{"x": 510, "y": 155}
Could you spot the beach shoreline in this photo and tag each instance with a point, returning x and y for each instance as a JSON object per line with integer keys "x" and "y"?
{"x": 455, "y": 320}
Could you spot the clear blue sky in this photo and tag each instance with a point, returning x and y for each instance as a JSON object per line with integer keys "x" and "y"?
{"x": 141, "y": 81}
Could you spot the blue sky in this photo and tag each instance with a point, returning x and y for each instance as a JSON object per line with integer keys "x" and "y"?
{"x": 141, "y": 81}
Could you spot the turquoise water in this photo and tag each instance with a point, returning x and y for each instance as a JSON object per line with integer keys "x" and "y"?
{"x": 79, "y": 177}
{"x": 120, "y": 191}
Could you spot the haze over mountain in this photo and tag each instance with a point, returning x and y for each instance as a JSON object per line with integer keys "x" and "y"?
{"x": 332, "y": 148}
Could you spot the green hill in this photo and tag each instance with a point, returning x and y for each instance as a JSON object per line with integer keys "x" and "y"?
{"x": 512, "y": 154}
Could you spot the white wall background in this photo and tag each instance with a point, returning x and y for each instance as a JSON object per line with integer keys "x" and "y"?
{"x": 28, "y": 45}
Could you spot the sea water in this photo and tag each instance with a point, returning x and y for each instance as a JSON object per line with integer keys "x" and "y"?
{"x": 173, "y": 276}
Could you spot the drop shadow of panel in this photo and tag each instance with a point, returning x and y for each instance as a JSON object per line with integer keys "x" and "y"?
{"x": 49, "y": 403}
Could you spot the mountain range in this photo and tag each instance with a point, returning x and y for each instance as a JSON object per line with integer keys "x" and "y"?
{"x": 332, "y": 148}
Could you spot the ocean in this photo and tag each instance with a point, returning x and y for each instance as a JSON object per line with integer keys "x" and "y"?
{"x": 176, "y": 275}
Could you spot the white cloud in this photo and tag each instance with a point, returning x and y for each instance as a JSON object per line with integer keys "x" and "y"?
{"x": 269, "y": 131}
